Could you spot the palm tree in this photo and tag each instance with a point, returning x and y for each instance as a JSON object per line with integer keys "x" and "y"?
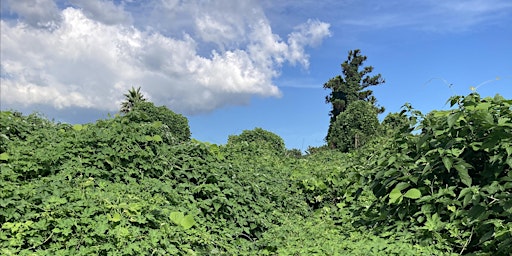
{"x": 131, "y": 99}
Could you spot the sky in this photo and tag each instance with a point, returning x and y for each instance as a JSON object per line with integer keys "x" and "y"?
{"x": 230, "y": 65}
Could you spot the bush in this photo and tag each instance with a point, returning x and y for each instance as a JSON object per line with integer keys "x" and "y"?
{"x": 148, "y": 112}
{"x": 354, "y": 127}
{"x": 261, "y": 137}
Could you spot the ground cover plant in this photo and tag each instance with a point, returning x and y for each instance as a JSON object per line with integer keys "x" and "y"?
{"x": 137, "y": 184}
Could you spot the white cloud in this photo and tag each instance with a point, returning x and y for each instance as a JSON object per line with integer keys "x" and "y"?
{"x": 89, "y": 60}
{"x": 37, "y": 13}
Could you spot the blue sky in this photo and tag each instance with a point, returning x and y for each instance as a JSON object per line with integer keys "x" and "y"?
{"x": 232, "y": 65}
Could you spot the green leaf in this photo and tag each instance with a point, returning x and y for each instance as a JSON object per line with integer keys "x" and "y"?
{"x": 176, "y": 217}
{"x": 447, "y": 161}
{"x": 453, "y": 118}
{"x": 78, "y": 127}
{"x": 115, "y": 218}
{"x": 148, "y": 138}
{"x": 463, "y": 174}
{"x": 4, "y": 156}
{"x": 413, "y": 193}
{"x": 463, "y": 192}
{"x": 157, "y": 138}
{"x": 157, "y": 124}
{"x": 187, "y": 222}
{"x": 394, "y": 195}
{"x": 402, "y": 185}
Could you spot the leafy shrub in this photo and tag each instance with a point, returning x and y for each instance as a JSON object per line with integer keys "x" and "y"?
{"x": 354, "y": 127}
{"x": 147, "y": 112}
{"x": 261, "y": 138}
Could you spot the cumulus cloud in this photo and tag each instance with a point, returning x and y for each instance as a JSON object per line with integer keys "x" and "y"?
{"x": 89, "y": 60}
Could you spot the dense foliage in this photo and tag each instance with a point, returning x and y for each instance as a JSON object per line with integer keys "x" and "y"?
{"x": 147, "y": 112}
{"x": 354, "y": 127}
{"x": 451, "y": 184}
{"x": 127, "y": 186}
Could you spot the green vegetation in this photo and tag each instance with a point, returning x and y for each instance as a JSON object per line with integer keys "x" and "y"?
{"x": 136, "y": 184}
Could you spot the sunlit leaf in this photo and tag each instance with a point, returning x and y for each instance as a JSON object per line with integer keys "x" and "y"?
{"x": 187, "y": 222}
{"x": 4, "y": 156}
{"x": 157, "y": 138}
{"x": 176, "y": 217}
{"x": 394, "y": 195}
{"x": 413, "y": 193}
{"x": 115, "y": 218}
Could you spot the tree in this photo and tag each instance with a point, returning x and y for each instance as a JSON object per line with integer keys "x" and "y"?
{"x": 131, "y": 99}
{"x": 351, "y": 87}
{"x": 354, "y": 127}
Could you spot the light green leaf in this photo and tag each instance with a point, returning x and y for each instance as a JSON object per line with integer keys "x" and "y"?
{"x": 78, "y": 127}
{"x": 148, "y": 138}
{"x": 157, "y": 138}
{"x": 176, "y": 217}
{"x": 157, "y": 124}
{"x": 115, "y": 218}
{"x": 4, "y": 156}
{"x": 187, "y": 222}
{"x": 394, "y": 195}
{"x": 391, "y": 160}
{"x": 413, "y": 193}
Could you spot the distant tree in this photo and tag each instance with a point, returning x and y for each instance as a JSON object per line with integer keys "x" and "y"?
{"x": 131, "y": 99}
{"x": 354, "y": 127}
{"x": 350, "y": 87}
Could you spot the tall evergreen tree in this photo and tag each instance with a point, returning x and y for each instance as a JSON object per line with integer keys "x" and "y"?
{"x": 351, "y": 87}
{"x": 131, "y": 98}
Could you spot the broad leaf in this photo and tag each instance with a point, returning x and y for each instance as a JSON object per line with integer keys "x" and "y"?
{"x": 187, "y": 222}
{"x": 447, "y": 161}
{"x": 176, "y": 217}
{"x": 4, "y": 156}
{"x": 413, "y": 193}
{"x": 394, "y": 195}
